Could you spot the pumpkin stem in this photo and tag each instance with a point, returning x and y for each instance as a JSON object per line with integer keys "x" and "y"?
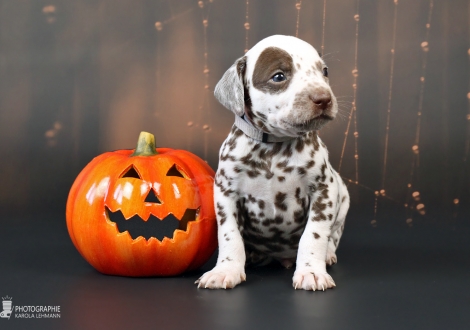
{"x": 145, "y": 145}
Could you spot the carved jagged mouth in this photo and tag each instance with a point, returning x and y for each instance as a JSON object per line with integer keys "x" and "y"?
{"x": 153, "y": 227}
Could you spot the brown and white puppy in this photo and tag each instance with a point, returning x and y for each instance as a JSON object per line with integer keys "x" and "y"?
{"x": 276, "y": 194}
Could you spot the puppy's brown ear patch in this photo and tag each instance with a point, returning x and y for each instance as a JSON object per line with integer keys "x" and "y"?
{"x": 271, "y": 61}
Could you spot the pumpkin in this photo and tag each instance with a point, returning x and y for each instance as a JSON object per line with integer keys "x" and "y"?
{"x": 120, "y": 199}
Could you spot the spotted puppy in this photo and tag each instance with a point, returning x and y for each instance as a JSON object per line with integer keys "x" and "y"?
{"x": 276, "y": 194}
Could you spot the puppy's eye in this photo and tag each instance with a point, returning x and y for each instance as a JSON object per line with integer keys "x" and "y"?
{"x": 278, "y": 77}
{"x": 325, "y": 72}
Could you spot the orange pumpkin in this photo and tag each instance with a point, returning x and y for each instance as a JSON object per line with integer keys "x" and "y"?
{"x": 119, "y": 200}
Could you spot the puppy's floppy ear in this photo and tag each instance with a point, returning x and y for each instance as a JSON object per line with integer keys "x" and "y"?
{"x": 229, "y": 90}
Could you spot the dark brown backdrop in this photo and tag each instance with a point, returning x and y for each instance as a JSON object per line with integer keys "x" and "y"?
{"x": 78, "y": 78}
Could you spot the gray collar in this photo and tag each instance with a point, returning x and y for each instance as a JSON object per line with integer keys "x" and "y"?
{"x": 257, "y": 134}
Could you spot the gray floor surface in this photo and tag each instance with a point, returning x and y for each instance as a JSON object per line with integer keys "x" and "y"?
{"x": 388, "y": 277}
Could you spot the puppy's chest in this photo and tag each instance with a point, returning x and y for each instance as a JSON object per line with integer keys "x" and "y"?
{"x": 273, "y": 173}
{"x": 274, "y": 214}
{"x": 274, "y": 185}
{"x": 271, "y": 209}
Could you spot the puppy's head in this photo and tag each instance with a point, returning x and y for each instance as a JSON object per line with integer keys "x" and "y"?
{"x": 281, "y": 86}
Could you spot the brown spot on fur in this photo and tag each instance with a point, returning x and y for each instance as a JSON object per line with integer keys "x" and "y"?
{"x": 269, "y": 175}
{"x": 323, "y": 168}
{"x": 324, "y": 190}
{"x": 301, "y": 171}
{"x": 282, "y": 164}
{"x": 316, "y": 145}
{"x": 253, "y": 174}
{"x": 299, "y": 216}
{"x": 271, "y": 61}
{"x": 287, "y": 152}
{"x": 318, "y": 207}
{"x": 298, "y": 190}
{"x": 316, "y": 235}
{"x": 300, "y": 145}
{"x": 232, "y": 143}
{"x": 288, "y": 169}
{"x": 279, "y": 201}
{"x": 319, "y": 217}
{"x": 251, "y": 198}
{"x": 256, "y": 147}
{"x": 221, "y": 213}
{"x": 275, "y": 150}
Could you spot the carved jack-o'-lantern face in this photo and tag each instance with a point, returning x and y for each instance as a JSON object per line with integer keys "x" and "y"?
{"x": 166, "y": 200}
{"x": 143, "y": 213}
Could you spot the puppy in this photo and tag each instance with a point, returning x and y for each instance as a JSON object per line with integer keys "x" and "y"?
{"x": 276, "y": 195}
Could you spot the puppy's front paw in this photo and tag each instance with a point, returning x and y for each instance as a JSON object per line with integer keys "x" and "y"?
{"x": 219, "y": 278}
{"x": 307, "y": 280}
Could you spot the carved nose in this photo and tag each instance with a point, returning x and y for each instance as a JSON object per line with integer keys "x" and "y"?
{"x": 322, "y": 99}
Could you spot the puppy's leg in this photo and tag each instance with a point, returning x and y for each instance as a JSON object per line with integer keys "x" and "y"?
{"x": 230, "y": 268}
{"x": 310, "y": 273}
{"x": 331, "y": 257}
{"x": 337, "y": 230}
{"x": 333, "y": 243}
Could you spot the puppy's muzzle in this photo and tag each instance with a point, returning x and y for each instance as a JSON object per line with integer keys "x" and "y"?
{"x": 322, "y": 104}
{"x": 321, "y": 100}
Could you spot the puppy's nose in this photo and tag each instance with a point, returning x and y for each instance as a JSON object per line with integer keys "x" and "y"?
{"x": 322, "y": 99}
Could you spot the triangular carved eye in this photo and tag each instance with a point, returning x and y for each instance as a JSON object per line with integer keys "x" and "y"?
{"x": 131, "y": 173}
{"x": 173, "y": 171}
{"x": 152, "y": 198}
